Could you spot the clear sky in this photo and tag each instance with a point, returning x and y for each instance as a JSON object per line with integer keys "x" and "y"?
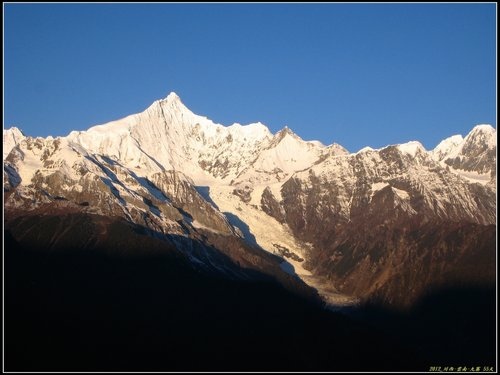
{"x": 355, "y": 74}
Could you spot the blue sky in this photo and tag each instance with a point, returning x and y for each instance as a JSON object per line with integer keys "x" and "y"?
{"x": 354, "y": 74}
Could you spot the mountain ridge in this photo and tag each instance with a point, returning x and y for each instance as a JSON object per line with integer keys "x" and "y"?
{"x": 149, "y": 169}
{"x": 99, "y": 138}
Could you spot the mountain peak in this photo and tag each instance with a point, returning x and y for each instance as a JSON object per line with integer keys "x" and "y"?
{"x": 11, "y": 137}
{"x": 481, "y": 136}
{"x": 487, "y": 128}
{"x": 448, "y": 147}
{"x": 282, "y": 134}
{"x": 285, "y": 131}
{"x": 365, "y": 149}
{"x": 481, "y": 131}
{"x": 411, "y": 148}
{"x": 172, "y": 97}
{"x": 173, "y": 101}
{"x": 14, "y": 130}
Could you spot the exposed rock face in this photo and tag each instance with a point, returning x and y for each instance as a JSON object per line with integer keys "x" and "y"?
{"x": 271, "y": 206}
{"x": 388, "y": 226}
{"x": 165, "y": 203}
{"x": 11, "y": 137}
{"x": 185, "y": 197}
{"x": 397, "y": 265}
{"x": 383, "y": 224}
{"x": 473, "y": 157}
{"x": 477, "y": 152}
{"x": 243, "y": 193}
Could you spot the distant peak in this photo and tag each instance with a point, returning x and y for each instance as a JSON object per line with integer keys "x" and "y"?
{"x": 482, "y": 134}
{"x": 365, "y": 149}
{"x": 286, "y": 130}
{"x": 483, "y": 131}
{"x": 452, "y": 141}
{"x": 14, "y": 130}
{"x": 447, "y": 147}
{"x": 172, "y": 97}
{"x": 483, "y": 128}
{"x": 334, "y": 149}
{"x": 173, "y": 101}
{"x": 411, "y": 148}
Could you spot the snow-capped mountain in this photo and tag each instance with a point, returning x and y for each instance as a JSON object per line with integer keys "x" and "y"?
{"x": 472, "y": 157}
{"x": 11, "y": 138}
{"x": 250, "y": 199}
{"x": 168, "y": 136}
{"x": 447, "y": 147}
